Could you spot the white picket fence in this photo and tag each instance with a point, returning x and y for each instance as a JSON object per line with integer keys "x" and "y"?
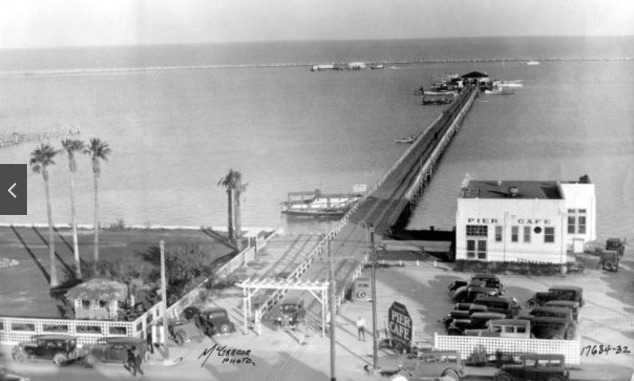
{"x": 467, "y": 344}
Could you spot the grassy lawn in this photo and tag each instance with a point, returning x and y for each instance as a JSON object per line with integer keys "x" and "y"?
{"x": 24, "y": 288}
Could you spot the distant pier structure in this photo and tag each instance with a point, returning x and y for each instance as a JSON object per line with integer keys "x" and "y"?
{"x": 346, "y": 66}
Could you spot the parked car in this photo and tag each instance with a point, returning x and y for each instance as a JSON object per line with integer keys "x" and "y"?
{"x": 572, "y": 306}
{"x": 481, "y": 280}
{"x": 553, "y": 328}
{"x": 361, "y": 289}
{"x": 509, "y": 307}
{"x": 428, "y": 364}
{"x": 572, "y": 293}
{"x": 512, "y": 328}
{"x": 114, "y": 349}
{"x": 550, "y": 311}
{"x": 290, "y": 311}
{"x": 215, "y": 321}
{"x": 467, "y": 294}
{"x": 535, "y": 367}
{"x": 182, "y": 331}
{"x": 62, "y": 349}
{"x": 476, "y": 321}
{"x": 480, "y": 357}
{"x": 462, "y": 313}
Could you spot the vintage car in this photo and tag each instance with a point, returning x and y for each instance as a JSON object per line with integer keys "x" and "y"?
{"x": 572, "y": 306}
{"x": 215, "y": 321}
{"x": 480, "y": 280}
{"x": 509, "y": 307}
{"x": 535, "y": 367}
{"x": 62, "y": 349}
{"x": 182, "y": 331}
{"x": 463, "y": 311}
{"x": 550, "y": 311}
{"x": 572, "y": 293}
{"x": 553, "y": 328}
{"x": 289, "y": 312}
{"x": 476, "y": 321}
{"x": 511, "y": 328}
{"x": 361, "y": 289}
{"x": 425, "y": 365}
{"x": 468, "y": 293}
{"x": 114, "y": 349}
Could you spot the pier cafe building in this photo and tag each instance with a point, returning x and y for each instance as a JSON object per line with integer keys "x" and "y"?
{"x": 524, "y": 221}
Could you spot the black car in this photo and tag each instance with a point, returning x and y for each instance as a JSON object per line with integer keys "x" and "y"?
{"x": 572, "y": 293}
{"x": 114, "y": 349}
{"x": 211, "y": 321}
{"x": 535, "y": 367}
{"x": 480, "y": 280}
{"x": 289, "y": 312}
{"x": 477, "y": 320}
{"x": 62, "y": 349}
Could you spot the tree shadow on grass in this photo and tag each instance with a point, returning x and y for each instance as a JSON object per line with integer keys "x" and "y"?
{"x": 28, "y": 250}
{"x": 59, "y": 258}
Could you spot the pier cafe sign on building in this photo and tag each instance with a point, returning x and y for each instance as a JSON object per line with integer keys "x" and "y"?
{"x": 400, "y": 324}
{"x": 524, "y": 221}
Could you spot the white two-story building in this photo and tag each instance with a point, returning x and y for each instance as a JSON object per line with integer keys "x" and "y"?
{"x": 525, "y": 221}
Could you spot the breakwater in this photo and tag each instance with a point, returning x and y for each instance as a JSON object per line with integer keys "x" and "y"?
{"x": 369, "y": 64}
{"x": 15, "y": 138}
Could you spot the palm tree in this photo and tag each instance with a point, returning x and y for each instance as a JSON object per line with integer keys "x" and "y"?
{"x": 232, "y": 181}
{"x": 71, "y": 146}
{"x": 41, "y": 159}
{"x": 98, "y": 150}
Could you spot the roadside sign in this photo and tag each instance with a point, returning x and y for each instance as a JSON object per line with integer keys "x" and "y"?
{"x": 400, "y": 324}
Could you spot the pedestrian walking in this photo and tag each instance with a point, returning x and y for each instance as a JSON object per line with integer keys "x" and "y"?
{"x": 361, "y": 328}
{"x": 138, "y": 360}
{"x": 128, "y": 363}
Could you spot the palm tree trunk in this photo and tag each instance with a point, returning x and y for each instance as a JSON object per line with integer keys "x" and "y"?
{"x": 230, "y": 227}
{"x": 238, "y": 219}
{"x": 96, "y": 243}
{"x": 51, "y": 238}
{"x": 74, "y": 222}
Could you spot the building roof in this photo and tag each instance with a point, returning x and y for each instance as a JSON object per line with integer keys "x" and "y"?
{"x": 548, "y": 190}
{"x": 475, "y": 74}
{"x": 98, "y": 289}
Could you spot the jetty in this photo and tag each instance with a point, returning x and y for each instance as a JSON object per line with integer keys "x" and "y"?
{"x": 60, "y": 132}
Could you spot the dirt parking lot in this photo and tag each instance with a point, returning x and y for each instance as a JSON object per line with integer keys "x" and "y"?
{"x": 606, "y": 319}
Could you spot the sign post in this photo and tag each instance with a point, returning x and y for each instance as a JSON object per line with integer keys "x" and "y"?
{"x": 400, "y": 325}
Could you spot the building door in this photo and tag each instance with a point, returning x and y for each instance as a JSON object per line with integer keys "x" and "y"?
{"x": 477, "y": 249}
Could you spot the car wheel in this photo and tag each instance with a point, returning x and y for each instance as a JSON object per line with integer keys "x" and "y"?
{"x": 90, "y": 361}
{"x": 609, "y": 266}
{"x": 179, "y": 338}
{"x": 362, "y": 294}
{"x": 451, "y": 374}
{"x": 532, "y": 304}
{"x": 224, "y": 328}
{"x": 59, "y": 359}
{"x": 503, "y": 377}
{"x": 20, "y": 357}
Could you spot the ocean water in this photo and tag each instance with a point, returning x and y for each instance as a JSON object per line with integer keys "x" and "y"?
{"x": 174, "y": 133}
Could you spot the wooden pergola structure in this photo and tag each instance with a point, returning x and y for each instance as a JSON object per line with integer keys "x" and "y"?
{"x": 319, "y": 289}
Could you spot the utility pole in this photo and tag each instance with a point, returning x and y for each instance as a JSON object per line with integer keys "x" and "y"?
{"x": 374, "y": 331}
{"x": 166, "y": 354}
{"x": 333, "y": 307}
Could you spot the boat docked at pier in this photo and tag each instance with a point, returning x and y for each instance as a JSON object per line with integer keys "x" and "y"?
{"x": 317, "y": 204}
{"x": 408, "y": 140}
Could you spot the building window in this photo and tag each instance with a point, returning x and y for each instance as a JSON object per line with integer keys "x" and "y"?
{"x": 498, "y": 234}
{"x": 549, "y": 234}
{"x": 482, "y": 249}
{"x": 515, "y": 233}
{"x": 576, "y": 221}
{"x": 471, "y": 248}
{"x": 477, "y": 230}
{"x": 527, "y": 233}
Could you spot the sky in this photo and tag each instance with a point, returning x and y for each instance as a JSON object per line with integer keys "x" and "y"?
{"x": 71, "y": 23}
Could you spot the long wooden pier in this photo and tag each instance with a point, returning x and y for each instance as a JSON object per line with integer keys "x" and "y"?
{"x": 384, "y": 206}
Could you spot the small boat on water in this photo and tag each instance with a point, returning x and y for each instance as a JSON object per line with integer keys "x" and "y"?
{"x": 532, "y": 63}
{"x": 499, "y": 91}
{"x": 408, "y": 140}
{"x": 317, "y": 204}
